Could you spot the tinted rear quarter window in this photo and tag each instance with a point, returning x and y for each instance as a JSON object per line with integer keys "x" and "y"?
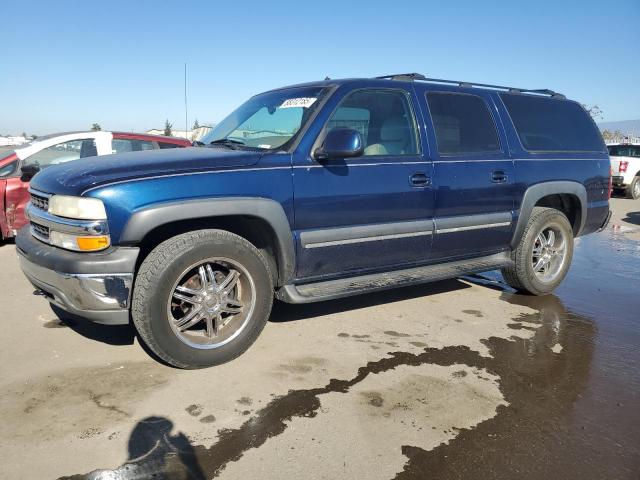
{"x": 624, "y": 150}
{"x": 552, "y": 125}
{"x": 164, "y": 145}
{"x": 462, "y": 123}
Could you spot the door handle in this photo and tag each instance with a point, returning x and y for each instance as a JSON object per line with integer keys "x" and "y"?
{"x": 419, "y": 180}
{"x": 498, "y": 176}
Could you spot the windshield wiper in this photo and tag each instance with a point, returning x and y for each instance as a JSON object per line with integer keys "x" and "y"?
{"x": 227, "y": 142}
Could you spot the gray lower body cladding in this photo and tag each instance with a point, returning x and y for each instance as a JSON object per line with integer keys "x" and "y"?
{"x": 93, "y": 286}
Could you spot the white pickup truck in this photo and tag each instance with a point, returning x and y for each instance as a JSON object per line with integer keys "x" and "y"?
{"x": 625, "y": 168}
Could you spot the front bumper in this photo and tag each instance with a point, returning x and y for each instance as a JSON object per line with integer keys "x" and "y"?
{"x": 96, "y": 286}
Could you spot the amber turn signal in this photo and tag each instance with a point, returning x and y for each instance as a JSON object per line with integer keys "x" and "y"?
{"x": 88, "y": 244}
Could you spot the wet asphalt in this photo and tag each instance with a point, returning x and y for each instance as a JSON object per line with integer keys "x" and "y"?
{"x": 494, "y": 385}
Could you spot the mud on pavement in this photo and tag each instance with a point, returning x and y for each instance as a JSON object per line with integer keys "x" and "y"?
{"x": 460, "y": 379}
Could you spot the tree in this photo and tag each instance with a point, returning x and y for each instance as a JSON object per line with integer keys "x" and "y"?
{"x": 196, "y": 125}
{"x": 24, "y": 135}
{"x": 96, "y": 127}
{"x": 167, "y": 128}
{"x": 594, "y": 110}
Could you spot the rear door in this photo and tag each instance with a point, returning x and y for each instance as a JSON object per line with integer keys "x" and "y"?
{"x": 373, "y": 212}
{"x": 473, "y": 174}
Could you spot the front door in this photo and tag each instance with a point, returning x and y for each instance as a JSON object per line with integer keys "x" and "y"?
{"x": 473, "y": 175}
{"x": 373, "y": 212}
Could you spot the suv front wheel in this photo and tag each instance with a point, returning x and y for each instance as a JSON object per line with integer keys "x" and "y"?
{"x": 202, "y": 298}
{"x": 543, "y": 256}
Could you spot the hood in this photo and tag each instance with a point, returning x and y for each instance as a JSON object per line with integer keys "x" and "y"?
{"x": 75, "y": 177}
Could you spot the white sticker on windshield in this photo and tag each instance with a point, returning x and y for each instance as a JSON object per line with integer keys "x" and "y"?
{"x": 302, "y": 102}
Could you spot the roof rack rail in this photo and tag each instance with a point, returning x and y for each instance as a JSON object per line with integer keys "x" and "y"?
{"x": 410, "y": 77}
{"x": 406, "y": 77}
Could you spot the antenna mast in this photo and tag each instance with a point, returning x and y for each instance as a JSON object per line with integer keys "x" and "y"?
{"x": 186, "y": 122}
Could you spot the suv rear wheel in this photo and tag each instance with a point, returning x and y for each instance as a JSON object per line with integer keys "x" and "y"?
{"x": 202, "y": 298}
{"x": 543, "y": 256}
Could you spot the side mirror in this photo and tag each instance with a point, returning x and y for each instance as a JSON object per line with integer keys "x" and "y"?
{"x": 340, "y": 142}
{"x": 28, "y": 172}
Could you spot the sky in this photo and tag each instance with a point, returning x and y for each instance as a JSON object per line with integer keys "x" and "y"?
{"x": 65, "y": 65}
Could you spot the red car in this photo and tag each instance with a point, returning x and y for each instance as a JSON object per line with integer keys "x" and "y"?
{"x": 59, "y": 148}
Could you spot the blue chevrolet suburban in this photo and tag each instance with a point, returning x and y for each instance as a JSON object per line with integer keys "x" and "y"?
{"x": 313, "y": 192}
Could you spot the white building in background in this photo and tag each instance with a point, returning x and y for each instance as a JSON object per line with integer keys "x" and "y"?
{"x": 12, "y": 141}
{"x": 192, "y": 135}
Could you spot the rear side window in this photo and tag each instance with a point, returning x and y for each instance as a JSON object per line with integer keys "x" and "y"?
{"x": 121, "y": 145}
{"x": 624, "y": 150}
{"x": 462, "y": 123}
{"x": 164, "y": 145}
{"x": 551, "y": 125}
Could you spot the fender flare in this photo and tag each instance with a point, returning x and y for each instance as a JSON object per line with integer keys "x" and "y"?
{"x": 535, "y": 192}
{"x": 143, "y": 221}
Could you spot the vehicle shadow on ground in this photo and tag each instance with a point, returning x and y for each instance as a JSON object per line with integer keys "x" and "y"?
{"x": 155, "y": 453}
{"x": 282, "y": 312}
{"x": 285, "y": 312}
{"x": 109, "y": 334}
{"x": 633, "y": 218}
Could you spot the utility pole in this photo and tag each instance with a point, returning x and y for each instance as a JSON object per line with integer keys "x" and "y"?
{"x": 186, "y": 122}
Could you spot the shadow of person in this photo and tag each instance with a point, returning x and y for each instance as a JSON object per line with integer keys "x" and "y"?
{"x": 153, "y": 453}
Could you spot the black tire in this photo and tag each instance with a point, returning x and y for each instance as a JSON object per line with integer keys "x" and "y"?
{"x": 521, "y": 275}
{"x": 633, "y": 189}
{"x": 154, "y": 286}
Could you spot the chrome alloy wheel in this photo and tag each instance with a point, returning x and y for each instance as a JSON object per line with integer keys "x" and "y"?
{"x": 211, "y": 302}
{"x": 636, "y": 189}
{"x": 549, "y": 254}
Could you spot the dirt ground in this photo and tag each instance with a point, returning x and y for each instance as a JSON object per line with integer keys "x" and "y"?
{"x": 457, "y": 379}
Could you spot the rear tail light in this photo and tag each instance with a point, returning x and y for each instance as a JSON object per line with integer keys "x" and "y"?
{"x": 623, "y": 166}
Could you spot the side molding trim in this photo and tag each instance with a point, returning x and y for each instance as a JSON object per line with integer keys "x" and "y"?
{"x": 472, "y": 222}
{"x": 365, "y": 233}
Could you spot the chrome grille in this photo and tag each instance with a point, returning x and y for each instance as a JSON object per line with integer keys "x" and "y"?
{"x": 39, "y": 231}
{"x": 39, "y": 202}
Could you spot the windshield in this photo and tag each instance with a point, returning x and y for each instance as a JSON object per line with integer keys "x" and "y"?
{"x": 624, "y": 150}
{"x": 269, "y": 120}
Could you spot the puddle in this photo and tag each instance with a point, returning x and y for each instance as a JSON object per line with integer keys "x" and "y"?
{"x": 573, "y": 389}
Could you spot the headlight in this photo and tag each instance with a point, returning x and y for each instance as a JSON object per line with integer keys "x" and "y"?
{"x": 80, "y": 208}
{"x": 79, "y": 243}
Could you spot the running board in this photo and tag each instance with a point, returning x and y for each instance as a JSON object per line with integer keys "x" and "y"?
{"x": 345, "y": 287}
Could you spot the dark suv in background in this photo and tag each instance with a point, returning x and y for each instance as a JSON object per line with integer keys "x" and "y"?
{"x": 315, "y": 192}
